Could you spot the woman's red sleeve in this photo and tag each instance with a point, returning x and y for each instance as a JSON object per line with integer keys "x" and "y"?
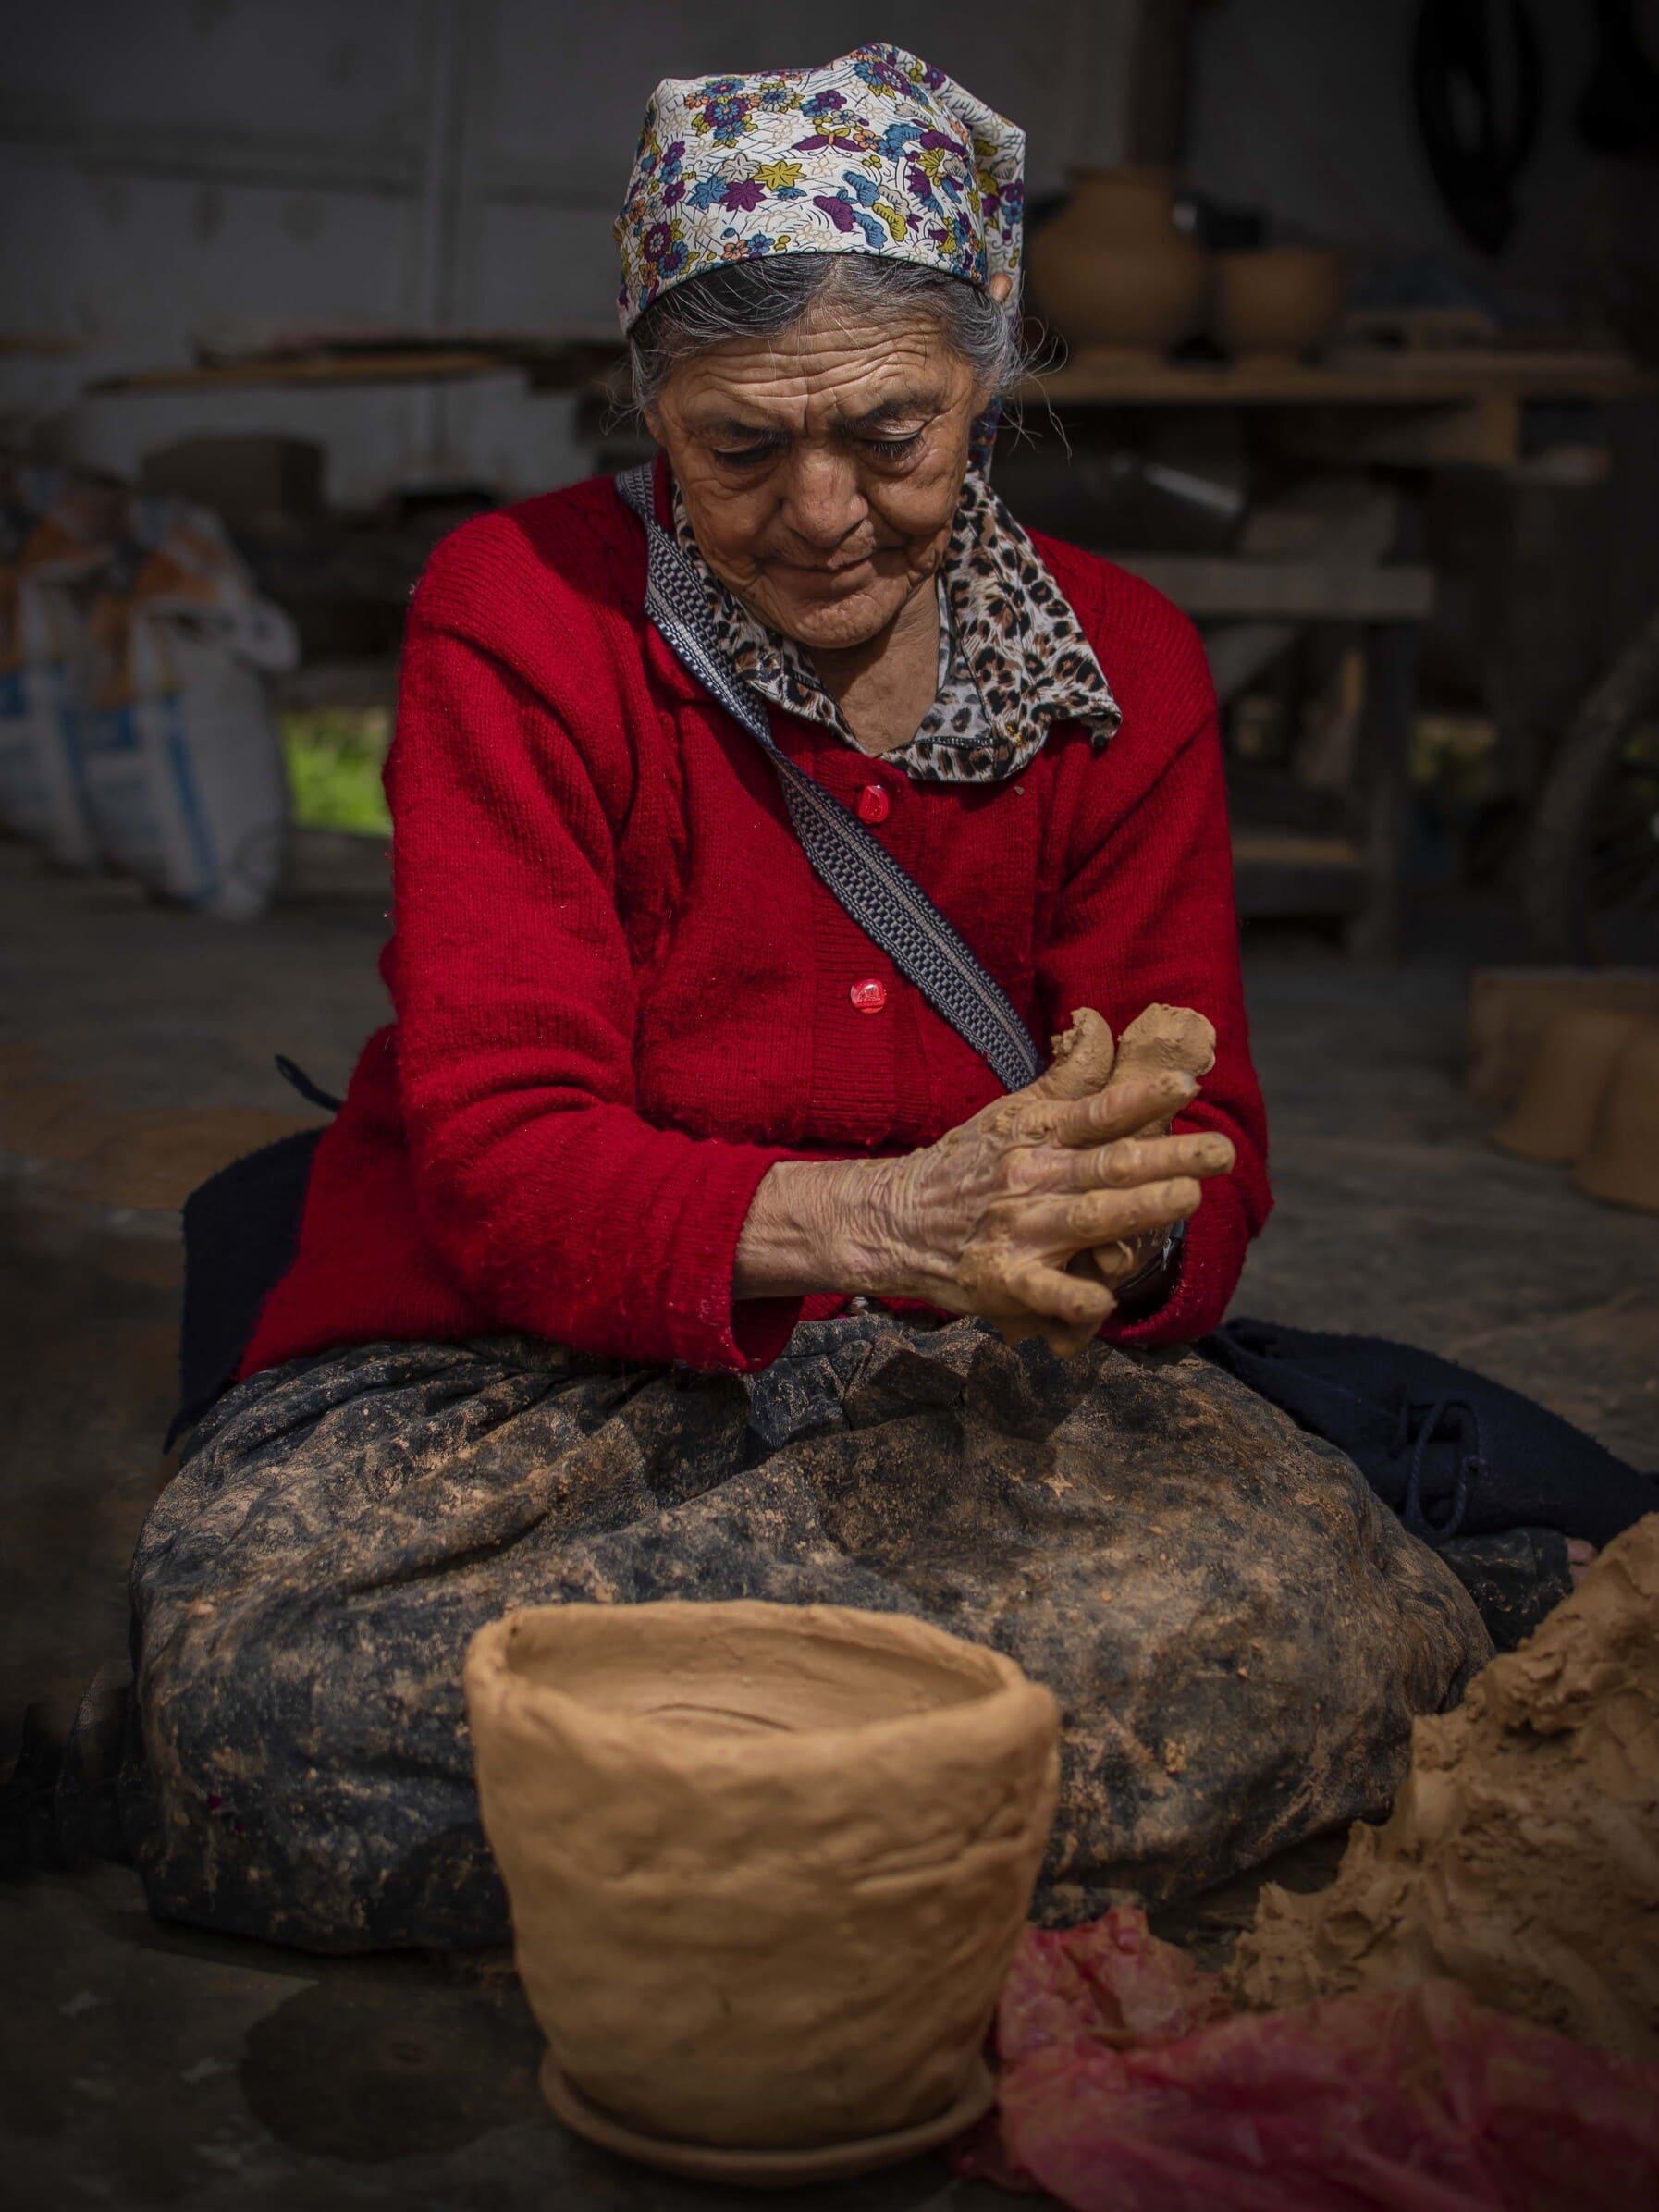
{"x": 558, "y": 1210}
{"x": 1146, "y": 915}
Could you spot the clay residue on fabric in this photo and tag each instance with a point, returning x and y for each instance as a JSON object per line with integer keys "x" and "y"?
{"x": 1522, "y": 1855}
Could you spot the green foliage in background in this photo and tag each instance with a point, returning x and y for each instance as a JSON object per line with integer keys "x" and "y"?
{"x": 334, "y": 756}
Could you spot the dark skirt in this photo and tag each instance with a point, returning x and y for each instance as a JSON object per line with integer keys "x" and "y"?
{"x": 1238, "y": 1632}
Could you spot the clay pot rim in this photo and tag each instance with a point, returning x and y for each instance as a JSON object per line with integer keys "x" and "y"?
{"x": 1008, "y": 1704}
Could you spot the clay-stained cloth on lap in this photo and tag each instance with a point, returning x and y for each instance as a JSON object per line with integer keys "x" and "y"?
{"x": 1239, "y": 1633}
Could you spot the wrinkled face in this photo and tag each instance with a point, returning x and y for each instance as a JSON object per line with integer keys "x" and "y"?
{"x": 821, "y": 467}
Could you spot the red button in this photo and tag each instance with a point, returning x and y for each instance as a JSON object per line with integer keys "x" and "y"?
{"x": 870, "y": 996}
{"x": 874, "y": 805}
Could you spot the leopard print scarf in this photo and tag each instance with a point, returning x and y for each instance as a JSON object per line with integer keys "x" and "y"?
{"x": 1012, "y": 659}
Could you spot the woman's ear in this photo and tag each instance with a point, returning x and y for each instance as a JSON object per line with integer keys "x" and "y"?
{"x": 999, "y": 287}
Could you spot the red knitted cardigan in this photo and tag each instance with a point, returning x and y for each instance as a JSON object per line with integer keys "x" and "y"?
{"x": 621, "y": 994}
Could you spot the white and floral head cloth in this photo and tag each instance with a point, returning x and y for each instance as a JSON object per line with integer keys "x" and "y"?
{"x": 874, "y": 153}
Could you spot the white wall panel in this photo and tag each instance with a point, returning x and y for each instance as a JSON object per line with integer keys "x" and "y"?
{"x": 421, "y": 162}
{"x": 354, "y": 69}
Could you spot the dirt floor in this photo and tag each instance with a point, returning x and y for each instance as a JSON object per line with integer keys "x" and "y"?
{"x": 145, "y": 2065}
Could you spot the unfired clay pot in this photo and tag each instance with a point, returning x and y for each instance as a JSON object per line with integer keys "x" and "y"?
{"x": 1277, "y": 303}
{"x": 1111, "y": 271}
{"x": 1622, "y": 1162}
{"x": 1509, "y": 1008}
{"x": 767, "y": 1863}
{"x": 1560, "y": 1100}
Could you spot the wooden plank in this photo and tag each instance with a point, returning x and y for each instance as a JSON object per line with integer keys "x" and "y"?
{"x": 1225, "y": 587}
{"x": 1100, "y": 377}
{"x": 1385, "y": 779}
{"x": 1254, "y": 846}
{"x": 430, "y": 365}
{"x": 553, "y": 360}
{"x": 1281, "y": 874}
{"x": 1481, "y": 434}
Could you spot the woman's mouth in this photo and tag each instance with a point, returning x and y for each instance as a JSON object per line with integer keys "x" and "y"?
{"x": 829, "y": 581}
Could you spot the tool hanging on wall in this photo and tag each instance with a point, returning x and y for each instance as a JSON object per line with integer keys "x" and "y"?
{"x": 1477, "y": 78}
{"x": 1618, "y": 111}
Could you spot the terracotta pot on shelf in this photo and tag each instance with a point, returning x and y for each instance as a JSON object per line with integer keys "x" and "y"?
{"x": 1622, "y": 1161}
{"x": 1561, "y": 1099}
{"x": 1278, "y": 303}
{"x": 1113, "y": 272}
{"x": 767, "y": 1864}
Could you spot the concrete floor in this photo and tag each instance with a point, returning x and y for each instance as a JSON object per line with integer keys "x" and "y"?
{"x": 145, "y": 2065}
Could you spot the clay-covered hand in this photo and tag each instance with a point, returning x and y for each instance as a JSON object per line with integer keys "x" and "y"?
{"x": 988, "y": 1220}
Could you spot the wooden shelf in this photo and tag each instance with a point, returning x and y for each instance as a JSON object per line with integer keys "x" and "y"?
{"x": 1280, "y": 873}
{"x": 1428, "y": 378}
{"x": 1224, "y": 588}
{"x": 552, "y": 361}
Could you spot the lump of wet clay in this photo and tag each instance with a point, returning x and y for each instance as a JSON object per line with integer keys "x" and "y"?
{"x": 1082, "y": 1057}
{"x": 1166, "y": 1040}
{"x": 1522, "y": 1855}
{"x": 768, "y": 1864}
{"x": 1159, "y": 1041}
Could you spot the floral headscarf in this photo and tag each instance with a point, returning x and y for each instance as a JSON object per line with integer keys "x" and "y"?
{"x": 874, "y": 153}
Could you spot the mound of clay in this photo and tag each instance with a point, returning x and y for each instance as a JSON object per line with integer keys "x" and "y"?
{"x": 1522, "y": 1857}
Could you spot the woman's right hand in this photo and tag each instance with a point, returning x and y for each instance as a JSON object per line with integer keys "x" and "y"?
{"x": 988, "y": 1220}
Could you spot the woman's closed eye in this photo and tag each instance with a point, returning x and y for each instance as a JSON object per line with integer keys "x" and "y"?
{"x": 755, "y": 455}
{"x": 748, "y": 457}
{"x": 891, "y": 449}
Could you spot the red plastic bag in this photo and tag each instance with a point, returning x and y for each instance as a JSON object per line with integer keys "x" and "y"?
{"x": 1121, "y": 2091}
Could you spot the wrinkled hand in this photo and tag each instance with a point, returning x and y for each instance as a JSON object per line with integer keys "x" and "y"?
{"x": 988, "y": 1220}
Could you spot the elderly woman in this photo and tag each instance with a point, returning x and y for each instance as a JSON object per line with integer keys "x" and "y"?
{"x": 751, "y": 820}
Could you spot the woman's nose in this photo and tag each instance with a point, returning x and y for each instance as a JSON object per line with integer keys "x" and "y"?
{"x": 822, "y": 503}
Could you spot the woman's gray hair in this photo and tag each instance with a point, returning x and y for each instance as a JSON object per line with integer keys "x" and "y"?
{"x": 764, "y": 298}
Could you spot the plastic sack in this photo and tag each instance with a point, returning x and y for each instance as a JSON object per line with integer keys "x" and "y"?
{"x": 182, "y": 762}
{"x": 178, "y": 750}
{"x": 1121, "y": 2091}
{"x": 43, "y": 655}
{"x": 55, "y": 533}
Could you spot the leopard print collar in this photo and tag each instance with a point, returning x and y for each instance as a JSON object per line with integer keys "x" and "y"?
{"x": 1013, "y": 658}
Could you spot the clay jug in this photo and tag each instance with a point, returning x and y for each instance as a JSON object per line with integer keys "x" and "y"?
{"x": 767, "y": 1863}
{"x": 1622, "y": 1160}
{"x": 1561, "y": 1098}
{"x": 1113, "y": 271}
{"x": 1278, "y": 303}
